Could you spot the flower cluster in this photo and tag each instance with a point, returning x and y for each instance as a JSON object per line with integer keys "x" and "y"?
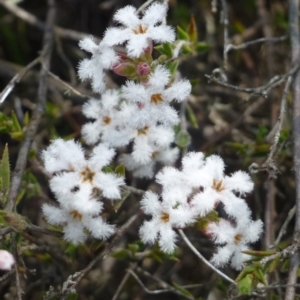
{"x": 79, "y": 184}
{"x": 140, "y": 116}
{"x": 194, "y": 192}
{"x": 140, "y": 113}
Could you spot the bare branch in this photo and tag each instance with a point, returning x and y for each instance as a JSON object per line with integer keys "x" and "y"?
{"x": 225, "y": 22}
{"x": 37, "y": 113}
{"x": 34, "y": 21}
{"x": 71, "y": 283}
{"x": 156, "y": 292}
{"x": 16, "y": 79}
{"x": 257, "y": 41}
{"x": 202, "y": 258}
{"x": 295, "y": 43}
{"x": 282, "y": 231}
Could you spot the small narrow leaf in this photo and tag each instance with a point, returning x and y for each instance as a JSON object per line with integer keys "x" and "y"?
{"x": 26, "y": 119}
{"x": 245, "y": 285}
{"x": 192, "y": 30}
{"x": 182, "y": 290}
{"x": 202, "y": 47}
{"x": 182, "y": 139}
{"x": 182, "y": 34}
{"x": 191, "y": 116}
{"x": 120, "y": 170}
{"x": 5, "y": 171}
{"x": 16, "y": 124}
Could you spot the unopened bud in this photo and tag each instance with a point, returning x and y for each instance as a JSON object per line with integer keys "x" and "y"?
{"x": 143, "y": 69}
{"x": 6, "y": 260}
{"x": 125, "y": 69}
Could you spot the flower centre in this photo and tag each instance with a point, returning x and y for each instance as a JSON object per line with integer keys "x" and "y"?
{"x": 156, "y": 98}
{"x": 87, "y": 175}
{"x": 154, "y": 154}
{"x": 238, "y": 238}
{"x": 165, "y": 217}
{"x": 76, "y": 215}
{"x": 140, "y": 29}
{"x": 106, "y": 120}
{"x": 218, "y": 185}
{"x": 143, "y": 131}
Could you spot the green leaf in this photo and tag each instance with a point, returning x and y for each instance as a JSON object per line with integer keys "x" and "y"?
{"x": 120, "y": 170}
{"x": 172, "y": 66}
{"x": 15, "y": 220}
{"x": 26, "y": 119}
{"x": 182, "y": 290}
{"x": 16, "y": 124}
{"x": 5, "y": 171}
{"x": 165, "y": 49}
{"x": 107, "y": 169}
{"x": 182, "y": 34}
{"x": 73, "y": 296}
{"x": 118, "y": 203}
{"x": 191, "y": 116}
{"x": 133, "y": 248}
{"x": 259, "y": 253}
{"x": 245, "y": 285}
{"x": 192, "y": 30}
{"x": 121, "y": 254}
{"x": 202, "y": 47}
{"x": 182, "y": 139}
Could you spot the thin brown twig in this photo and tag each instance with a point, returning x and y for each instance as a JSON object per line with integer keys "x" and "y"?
{"x": 34, "y": 21}
{"x": 16, "y": 256}
{"x": 16, "y": 79}
{"x": 202, "y": 258}
{"x": 143, "y": 6}
{"x": 295, "y": 47}
{"x": 225, "y": 22}
{"x": 37, "y": 113}
{"x": 257, "y": 41}
{"x": 162, "y": 283}
{"x": 261, "y": 90}
{"x": 269, "y": 163}
{"x": 282, "y": 231}
{"x": 170, "y": 289}
{"x": 65, "y": 84}
{"x": 71, "y": 283}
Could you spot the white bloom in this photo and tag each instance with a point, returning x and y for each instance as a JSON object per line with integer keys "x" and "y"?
{"x": 75, "y": 222}
{"x": 165, "y": 156}
{"x": 103, "y": 57}
{"x": 6, "y": 260}
{"x": 234, "y": 241}
{"x": 139, "y": 32}
{"x": 109, "y": 124}
{"x": 218, "y": 187}
{"x": 164, "y": 218}
{"x": 153, "y": 99}
{"x": 79, "y": 178}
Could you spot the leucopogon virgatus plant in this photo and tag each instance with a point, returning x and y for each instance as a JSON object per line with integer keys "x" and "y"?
{"x": 139, "y": 118}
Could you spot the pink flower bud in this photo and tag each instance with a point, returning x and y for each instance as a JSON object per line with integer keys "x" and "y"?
{"x": 143, "y": 69}
{"x": 6, "y": 260}
{"x": 124, "y": 69}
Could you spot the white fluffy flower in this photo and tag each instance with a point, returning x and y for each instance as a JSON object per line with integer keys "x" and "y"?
{"x": 153, "y": 99}
{"x": 165, "y": 156}
{"x": 139, "y": 33}
{"x": 165, "y": 217}
{"x": 77, "y": 175}
{"x": 6, "y": 260}
{"x": 109, "y": 123}
{"x": 103, "y": 57}
{"x": 233, "y": 240}
{"x": 219, "y": 187}
{"x": 75, "y": 222}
